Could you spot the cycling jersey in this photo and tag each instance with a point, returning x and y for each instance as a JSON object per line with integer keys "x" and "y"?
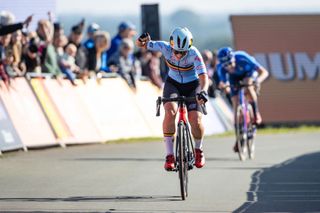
{"x": 246, "y": 66}
{"x": 186, "y": 69}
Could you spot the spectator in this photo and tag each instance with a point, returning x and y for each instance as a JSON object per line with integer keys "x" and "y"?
{"x": 5, "y": 58}
{"x": 17, "y": 48}
{"x": 31, "y": 58}
{"x": 49, "y": 59}
{"x": 81, "y": 56}
{"x": 125, "y": 30}
{"x": 95, "y": 54}
{"x": 10, "y": 28}
{"x": 59, "y": 42}
{"x": 92, "y": 29}
{"x": 154, "y": 66}
{"x": 150, "y": 66}
{"x": 6, "y": 18}
{"x": 58, "y": 30}
{"x": 207, "y": 59}
{"x": 67, "y": 63}
{"x": 127, "y": 67}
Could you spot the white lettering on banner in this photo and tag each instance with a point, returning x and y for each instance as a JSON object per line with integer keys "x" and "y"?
{"x": 281, "y": 71}
{"x": 8, "y": 137}
{"x": 288, "y": 66}
{"x": 307, "y": 67}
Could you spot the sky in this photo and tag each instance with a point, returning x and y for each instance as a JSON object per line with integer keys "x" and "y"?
{"x": 132, "y": 7}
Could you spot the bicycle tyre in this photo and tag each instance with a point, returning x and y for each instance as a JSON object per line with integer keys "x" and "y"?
{"x": 240, "y": 134}
{"x": 181, "y": 158}
{"x": 251, "y": 133}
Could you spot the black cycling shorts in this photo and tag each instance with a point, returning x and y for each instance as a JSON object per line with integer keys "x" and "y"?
{"x": 173, "y": 89}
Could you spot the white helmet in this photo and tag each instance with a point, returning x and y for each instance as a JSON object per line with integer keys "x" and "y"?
{"x": 181, "y": 39}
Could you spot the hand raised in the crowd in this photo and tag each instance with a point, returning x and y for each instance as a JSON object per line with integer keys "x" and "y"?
{"x": 28, "y": 20}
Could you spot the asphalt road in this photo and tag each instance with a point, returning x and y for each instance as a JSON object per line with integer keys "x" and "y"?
{"x": 284, "y": 177}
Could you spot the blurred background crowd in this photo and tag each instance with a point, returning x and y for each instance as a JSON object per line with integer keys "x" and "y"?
{"x": 86, "y": 52}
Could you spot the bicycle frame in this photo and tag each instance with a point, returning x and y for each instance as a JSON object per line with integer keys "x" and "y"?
{"x": 184, "y": 144}
{"x": 244, "y": 127}
{"x": 243, "y": 102}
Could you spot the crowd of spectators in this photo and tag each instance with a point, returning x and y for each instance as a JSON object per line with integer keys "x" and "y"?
{"x": 48, "y": 50}
{"x": 87, "y": 52}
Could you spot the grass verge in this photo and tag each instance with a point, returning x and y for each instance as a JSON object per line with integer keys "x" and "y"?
{"x": 265, "y": 130}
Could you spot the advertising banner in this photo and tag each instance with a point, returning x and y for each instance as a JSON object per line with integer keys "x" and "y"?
{"x": 73, "y": 111}
{"x": 112, "y": 107}
{"x": 26, "y": 114}
{"x": 61, "y": 130}
{"x": 9, "y": 138}
{"x": 145, "y": 98}
{"x": 288, "y": 47}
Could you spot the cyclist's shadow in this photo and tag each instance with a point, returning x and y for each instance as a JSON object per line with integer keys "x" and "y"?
{"x": 292, "y": 186}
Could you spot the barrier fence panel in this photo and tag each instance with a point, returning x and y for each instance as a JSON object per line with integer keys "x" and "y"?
{"x": 145, "y": 98}
{"x": 211, "y": 121}
{"x": 111, "y": 105}
{"x": 60, "y": 128}
{"x": 9, "y": 139}
{"x": 73, "y": 111}
{"x": 26, "y": 114}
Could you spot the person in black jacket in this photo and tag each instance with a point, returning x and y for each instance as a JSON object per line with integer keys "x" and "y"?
{"x": 6, "y": 29}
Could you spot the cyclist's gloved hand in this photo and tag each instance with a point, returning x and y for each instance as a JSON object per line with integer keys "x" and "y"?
{"x": 203, "y": 95}
{"x": 144, "y": 37}
{"x": 142, "y": 40}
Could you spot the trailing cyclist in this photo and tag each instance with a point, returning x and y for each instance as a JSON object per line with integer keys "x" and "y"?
{"x": 187, "y": 76}
{"x": 239, "y": 66}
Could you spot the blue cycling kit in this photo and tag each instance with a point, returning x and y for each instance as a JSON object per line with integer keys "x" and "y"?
{"x": 246, "y": 66}
{"x": 186, "y": 69}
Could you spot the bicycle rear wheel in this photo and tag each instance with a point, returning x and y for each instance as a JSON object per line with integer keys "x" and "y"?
{"x": 240, "y": 133}
{"x": 251, "y": 133}
{"x": 182, "y": 160}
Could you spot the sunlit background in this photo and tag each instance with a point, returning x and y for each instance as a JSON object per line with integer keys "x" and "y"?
{"x": 207, "y": 19}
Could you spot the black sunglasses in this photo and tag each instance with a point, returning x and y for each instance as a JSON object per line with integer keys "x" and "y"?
{"x": 226, "y": 64}
{"x": 176, "y": 52}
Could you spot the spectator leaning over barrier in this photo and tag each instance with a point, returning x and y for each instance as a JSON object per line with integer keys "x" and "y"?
{"x": 5, "y": 57}
{"x": 17, "y": 47}
{"x": 67, "y": 63}
{"x": 6, "y": 28}
{"x": 91, "y": 30}
{"x": 127, "y": 67}
{"x": 101, "y": 44}
{"x": 12, "y": 60}
{"x": 125, "y": 30}
{"x": 81, "y": 56}
{"x": 31, "y": 58}
{"x": 59, "y": 43}
{"x": 49, "y": 59}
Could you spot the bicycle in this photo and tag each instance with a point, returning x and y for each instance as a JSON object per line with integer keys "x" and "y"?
{"x": 184, "y": 151}
{"x": 244, "y": 124}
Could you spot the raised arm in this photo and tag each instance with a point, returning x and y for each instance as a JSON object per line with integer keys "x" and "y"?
{"x": 142, "y": 41}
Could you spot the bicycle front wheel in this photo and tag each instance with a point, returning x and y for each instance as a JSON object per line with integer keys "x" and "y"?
{"x": 240, "y": 133}
{"x": 182, "y": 160}
{"x": 251, "y": 134}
